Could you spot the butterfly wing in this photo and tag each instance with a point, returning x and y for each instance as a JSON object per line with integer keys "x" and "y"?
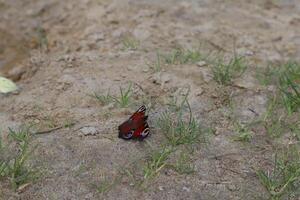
{"x": 140, "y": 113}
{"x": 135, "y": 125}
{"x": 125, "y": 130}
{"x": 143, "y": 131}
{"x": 131, "y": 128}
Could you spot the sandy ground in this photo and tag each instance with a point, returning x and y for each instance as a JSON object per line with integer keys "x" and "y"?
{"x": 60, "y": 52}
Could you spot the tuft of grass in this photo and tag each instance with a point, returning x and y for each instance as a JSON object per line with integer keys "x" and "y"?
{"x": 244, "y": 134}
{"x": 178, "y": 103}
{"x": 50, "y": 121}
{"x": 183, "y": 56}
{"x": 124, "y": 99}
{"x": 183, "y": 164}
{"x": 156, "y": 66}
{"x": 176, "y": 57}
{"x": 81, "y": 169}
{"x": 277, "y": 121}
{"x": 273, "y": 121}
{"x": 283, "y": 181}
{"x": 130, "y": 43}
{"x": 267, "y": 75}
{"x": 290, "y": 93}
{"x": 243, "y": 137}
{"x": 107, "y": 184}
{"x": 68, "y": 123}
{"x": 103, "y": 99}
{"x": 295, "y": 128}
{"x": 224, "y": 73}
{"x": 157, "y": 160}
{"x": 286, "y": 77}
{"x": 132, "y": 175}
{"x": 177, "y": 129}
{"x": 3, "y": 162}
{"x": 14, "y": 158}
{"x": 42, "y": 38}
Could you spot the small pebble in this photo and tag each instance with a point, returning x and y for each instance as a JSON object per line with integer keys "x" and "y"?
{"x": 201, "y": 63}
{"x": 90, "y": 130}
{"x": 186, "y": 189}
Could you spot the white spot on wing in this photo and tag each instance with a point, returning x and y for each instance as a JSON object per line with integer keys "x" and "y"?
{"x": 145, "y": 132}
{"x": 142, "y": 109}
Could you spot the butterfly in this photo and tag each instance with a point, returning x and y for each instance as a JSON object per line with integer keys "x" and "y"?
{"x": 136, "y": 126}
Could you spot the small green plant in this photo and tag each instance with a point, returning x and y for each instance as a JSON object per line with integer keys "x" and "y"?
{"x": 183, "y": 164}
{"x": 273, "y": 121}
{"x": 130, "y": 43}
{"x": 81, "y": 169}
{"x": 178, "y": 103}
{"x": 275, "y": 127}
{"x": 177, "y": 129}
{"x": 3, "y": 167}
{"x": 277, "y": 121}
{"x": 243, "y": 137}
{"x": 171, "y": 58}
{"x": 104, "y": 186}
{"x": 103, "y": 99}
{"x": 42, "y": 38}
{"x": 284, "y": 180}
{"x": 156, "y": 66}
{"x": 124, "y": 99}
{"x": 267, "y": 76}
{"x": 224, "y": 73}
{"x": 130, "y": 173}
{"x": 295, "y": 127}
{"x": 156, "y": 161}
{"x": 290, "y": 93}
{"x": 68, "y": 123}
{"x": 107, "y": 184}
{"x": 286, "y": 77}
{"x": 183, "y": 56}
{"x": 14, "y": 158}
{"x": 3, "y": 161}
{"x": 49, "y": 121}
{"x": 244, "y": 134}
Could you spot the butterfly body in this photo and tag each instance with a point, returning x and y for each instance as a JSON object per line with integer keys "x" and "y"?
{"x": 136, "y": 126}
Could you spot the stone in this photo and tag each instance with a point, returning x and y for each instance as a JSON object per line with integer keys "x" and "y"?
{"x": 232, "y": 187}
{"x": 161, "y": 78}
{"x": 201, "y": 63}
{"x": 199, "y": 91}
{"x": 186, "y": 189}
{"x": 89, "y": 130}
{"x": 96, "y": 37}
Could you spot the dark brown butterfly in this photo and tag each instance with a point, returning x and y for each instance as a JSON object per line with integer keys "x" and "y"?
{"x": 136, "y": 126}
